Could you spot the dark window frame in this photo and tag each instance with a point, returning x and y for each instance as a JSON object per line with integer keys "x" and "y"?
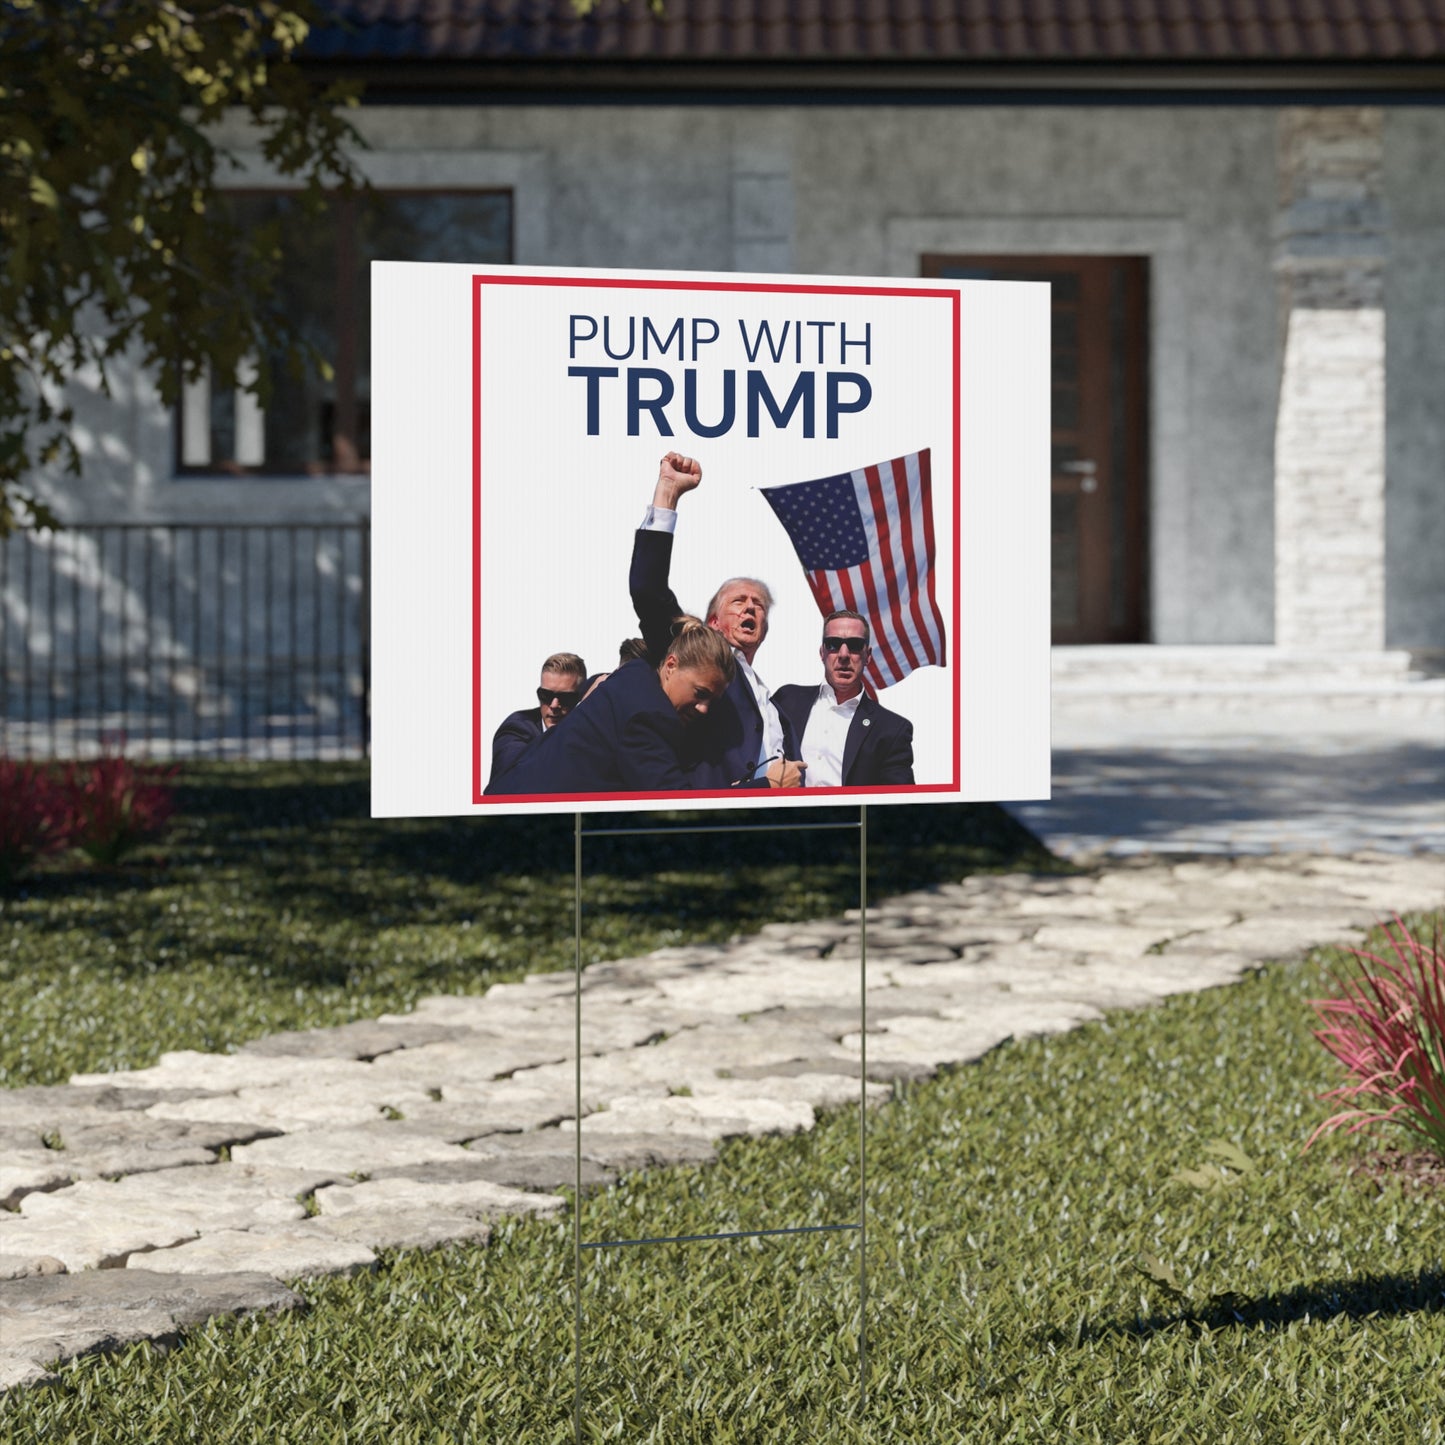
{"x": 346, "y": 459}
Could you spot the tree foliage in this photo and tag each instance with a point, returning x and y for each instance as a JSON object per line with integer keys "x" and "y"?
{"x": 114, "y": 238}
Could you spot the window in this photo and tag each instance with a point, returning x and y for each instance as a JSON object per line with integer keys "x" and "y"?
{"x": 316, "y": 427}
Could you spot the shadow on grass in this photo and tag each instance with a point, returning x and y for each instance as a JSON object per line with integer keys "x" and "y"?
{"x": 255, "y": 805}
{"x": 262, "y": 856}
{"x": 325, "y": 817}
{"x": 1361, "y": 1298}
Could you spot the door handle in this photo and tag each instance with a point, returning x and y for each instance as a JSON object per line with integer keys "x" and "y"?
{"x": 1084, "y": 469}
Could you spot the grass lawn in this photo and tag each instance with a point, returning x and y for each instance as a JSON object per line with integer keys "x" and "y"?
{"x": 276, "y": 903}
{"x": 1011, "y": 1205}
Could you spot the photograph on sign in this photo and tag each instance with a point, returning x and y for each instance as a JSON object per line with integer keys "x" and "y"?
{"x": 648, "y": 540}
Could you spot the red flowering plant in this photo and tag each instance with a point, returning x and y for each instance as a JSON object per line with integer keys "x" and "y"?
{"x": 116, "y": 805}
{"x": 34, "y": 816}
{"x": 1388, "y": 1030}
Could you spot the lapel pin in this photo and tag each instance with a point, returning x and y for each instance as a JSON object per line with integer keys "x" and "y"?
{"x": 867, "y": 722}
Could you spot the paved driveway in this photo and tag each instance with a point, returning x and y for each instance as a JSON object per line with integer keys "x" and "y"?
{"x": 1191, "y": 783}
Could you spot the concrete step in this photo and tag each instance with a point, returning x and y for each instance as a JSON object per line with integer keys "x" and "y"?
{"x": 1207, "y": 666}
{"x": 1423, "y": 699}
{"x": 1243, "y": 682}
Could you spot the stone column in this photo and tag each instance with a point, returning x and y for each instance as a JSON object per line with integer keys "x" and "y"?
{"x": 1329, "y": 456}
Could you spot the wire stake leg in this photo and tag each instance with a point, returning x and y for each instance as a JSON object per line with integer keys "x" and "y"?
{"x": 862, "y": 1112}
{"x": 577, "y": 1200}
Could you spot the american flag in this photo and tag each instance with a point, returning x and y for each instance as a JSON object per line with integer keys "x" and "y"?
{"x": 865, "y": 540}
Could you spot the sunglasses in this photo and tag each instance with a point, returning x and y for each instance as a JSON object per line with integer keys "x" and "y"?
{"x": 546, "y": 695}
{"x": 855, "y": 645}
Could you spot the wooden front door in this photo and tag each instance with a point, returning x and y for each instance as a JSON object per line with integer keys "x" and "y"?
{"x": 1099, "y": 434}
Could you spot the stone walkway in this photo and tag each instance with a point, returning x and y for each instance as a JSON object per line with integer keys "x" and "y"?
{"x": 128, "y": 1220}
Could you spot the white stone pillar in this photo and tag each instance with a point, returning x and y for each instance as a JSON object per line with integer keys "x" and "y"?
{"x": 1329, "y": 456}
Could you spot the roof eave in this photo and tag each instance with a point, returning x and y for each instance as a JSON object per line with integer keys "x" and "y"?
{"x": 663, "y": 80}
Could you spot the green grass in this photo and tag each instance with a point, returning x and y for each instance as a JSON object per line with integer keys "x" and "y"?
{"x": 1010, "y": 1205}
{"x": 276, "y": 903}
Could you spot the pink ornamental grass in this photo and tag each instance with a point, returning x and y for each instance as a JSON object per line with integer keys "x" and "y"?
{"x": 1388, "y": 1030}
{"x": 34, "y": 816}
{"x": 116, "y": 805}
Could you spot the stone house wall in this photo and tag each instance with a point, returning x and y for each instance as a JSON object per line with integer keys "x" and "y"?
{"x": 1199, "y": 190}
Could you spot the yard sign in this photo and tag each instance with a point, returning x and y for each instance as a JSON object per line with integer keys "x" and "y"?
{"x": 875, "y": 444}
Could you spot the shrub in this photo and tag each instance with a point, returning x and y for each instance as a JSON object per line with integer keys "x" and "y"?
{"x": 1388, "y": 1030}
{"x": 34, "y": 816}
{"x": 116, "y": 805}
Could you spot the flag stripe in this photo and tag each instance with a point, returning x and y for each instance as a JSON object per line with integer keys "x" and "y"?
{"x": 916, "y": 620}
{"x": 901, "y": 531}
{"x": 866, "y": 540}
{"x": 897, "y": 657}
{"x": 905, "y": 533}
{"x": 904, "y": 495}
{"x": 849, "y": 599}
{"x": 872, "y": 609}
{"x": 893, "y": 565}
{"x": 818, "y": 583}
{"x": 924, "y": 462}
{"x": 885, "y": 647}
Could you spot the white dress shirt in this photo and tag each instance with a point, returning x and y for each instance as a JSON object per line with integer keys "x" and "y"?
{"x": 772, "y": 724}
{"x": 664, "y": 519}
{"x": 825, "y": 737}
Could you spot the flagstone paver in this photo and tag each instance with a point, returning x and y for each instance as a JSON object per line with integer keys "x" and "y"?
{"x": 31, "y": 1173}
{"x": 355, "y": 1150}
{"x": 26, "y": 1266}
{"x": 474, "y": 1198}
{"x": 413, "y": 1130}
{"x": 298, "y": 1252}
{"x": 54, "y": 1317}
{"x": 365, "y": 1040}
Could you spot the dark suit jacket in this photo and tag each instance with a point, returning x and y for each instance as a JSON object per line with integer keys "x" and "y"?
{"x": 519, "y": 730}
{"x": 879, "y": 746}
{"x": 625, "y": 738}
{"x": 725, "y": 747}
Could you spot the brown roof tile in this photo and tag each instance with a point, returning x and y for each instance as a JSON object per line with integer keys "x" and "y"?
{"x": 955, "y": 31}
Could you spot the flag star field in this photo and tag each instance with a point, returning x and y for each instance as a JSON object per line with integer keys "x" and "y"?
{"x": 824, "y": 522}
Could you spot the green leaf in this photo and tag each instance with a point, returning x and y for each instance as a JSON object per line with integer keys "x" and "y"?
{"x": 1209, "y": 1177}
{"x": 1160, "y": 1271}
{"x": 43, "y": 193}
{"x": 1230, "y": 1154}
{"x": 111, "y": 103}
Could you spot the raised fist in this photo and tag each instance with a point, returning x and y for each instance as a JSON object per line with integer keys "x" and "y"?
{"x": 676, "y": 474}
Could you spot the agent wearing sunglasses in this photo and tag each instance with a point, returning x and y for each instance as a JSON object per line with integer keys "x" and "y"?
{"x": 849, "y": 739}
{"x": 631, "y": 736}
{"x": 560, "y": 688}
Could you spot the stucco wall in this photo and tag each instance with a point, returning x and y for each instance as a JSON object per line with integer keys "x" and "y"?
{"x": 865, "y": 190}
{"x": 1193, "y": 190}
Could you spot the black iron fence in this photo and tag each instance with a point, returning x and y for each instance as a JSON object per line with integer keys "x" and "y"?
{"x": 186, "y": 640}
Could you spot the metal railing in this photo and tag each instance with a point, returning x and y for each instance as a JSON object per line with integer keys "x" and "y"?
{"x": 186, "y": 640}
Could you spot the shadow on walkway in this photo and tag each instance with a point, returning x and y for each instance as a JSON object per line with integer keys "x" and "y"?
{"x": 1249, "y": 799}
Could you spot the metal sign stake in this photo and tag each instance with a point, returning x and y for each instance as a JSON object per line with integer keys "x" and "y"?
{"x": 861, "y": 1227}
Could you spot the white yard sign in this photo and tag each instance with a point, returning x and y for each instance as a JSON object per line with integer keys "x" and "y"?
{"x": 870, "y": 447}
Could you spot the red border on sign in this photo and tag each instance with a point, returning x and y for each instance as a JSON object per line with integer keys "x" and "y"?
{"x": 750, "y": 797}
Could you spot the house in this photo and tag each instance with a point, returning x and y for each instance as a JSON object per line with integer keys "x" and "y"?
{"x": 1240, "y": 205}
